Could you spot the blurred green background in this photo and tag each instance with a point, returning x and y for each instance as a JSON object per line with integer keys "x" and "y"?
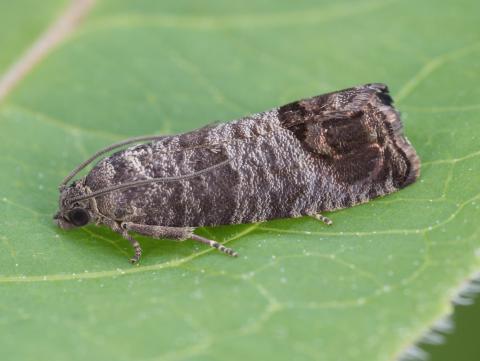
{"x": 364, "y": 289}
{"x": 463, "y": 343}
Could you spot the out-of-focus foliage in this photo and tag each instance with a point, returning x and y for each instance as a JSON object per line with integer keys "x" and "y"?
{"x": 362, "y": 289}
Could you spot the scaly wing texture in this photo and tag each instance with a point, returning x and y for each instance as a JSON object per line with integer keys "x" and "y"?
{"x": 364, "y": 289}
{"x": 357, "y": 134}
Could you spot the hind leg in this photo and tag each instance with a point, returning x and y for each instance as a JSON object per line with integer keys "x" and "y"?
{"x": 323, "y": 219}
{"x": 176, "y": 233}
{"x": 215, "y": 244}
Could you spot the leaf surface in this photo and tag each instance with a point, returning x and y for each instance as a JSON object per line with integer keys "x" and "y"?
{"x": 21, "y": 22}
{"x": 363, "y": 289}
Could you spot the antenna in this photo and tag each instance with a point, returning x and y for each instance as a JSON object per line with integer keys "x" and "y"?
{"x": 82, "y": 165}
{"x": 143, "y": 182}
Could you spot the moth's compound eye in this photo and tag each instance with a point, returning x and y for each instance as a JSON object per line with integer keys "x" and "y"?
{"x": 78, "y": 216}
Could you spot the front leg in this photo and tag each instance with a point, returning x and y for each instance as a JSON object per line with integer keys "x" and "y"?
{"x": 124, "y": 233}
{"x": 177, "y": 233}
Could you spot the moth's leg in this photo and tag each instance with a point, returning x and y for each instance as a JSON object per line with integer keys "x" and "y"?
{"x": 124, "y": 232}
{"x": 323, "y": 219}
{"x": 177, "y": 233}
{"x": 136, "y": 246}
{"x": 215, "y": 244}
{"x": 159, "y": 232}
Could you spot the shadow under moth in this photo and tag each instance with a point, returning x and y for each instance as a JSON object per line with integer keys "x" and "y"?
{"x": 328, "y": 152}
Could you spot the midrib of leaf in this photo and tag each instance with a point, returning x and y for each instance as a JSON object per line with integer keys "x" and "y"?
{"x": 274, "y": 305}
{"x": 55, "y": 34}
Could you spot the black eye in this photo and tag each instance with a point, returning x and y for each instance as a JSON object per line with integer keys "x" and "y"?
{"x": 78, "y": 216}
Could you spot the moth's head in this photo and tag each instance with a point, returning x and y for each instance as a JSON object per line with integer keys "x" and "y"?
{"x": 71, "y": 213}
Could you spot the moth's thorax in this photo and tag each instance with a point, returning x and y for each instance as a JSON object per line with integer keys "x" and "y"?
{"x": 71, "y": 191}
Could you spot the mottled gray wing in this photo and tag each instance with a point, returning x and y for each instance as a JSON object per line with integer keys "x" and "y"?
{"x": 327, "y": 152}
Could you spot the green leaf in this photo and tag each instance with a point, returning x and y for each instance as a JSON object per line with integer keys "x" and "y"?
{"x": 365, "y": 288}
{"x": 21, "y": 21}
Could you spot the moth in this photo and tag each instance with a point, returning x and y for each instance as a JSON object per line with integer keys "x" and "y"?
{"x": 324, "y": 153}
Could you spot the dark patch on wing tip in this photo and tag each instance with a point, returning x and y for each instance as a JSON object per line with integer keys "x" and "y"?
{"x": 382, "y": 87}
{"x": 403, "y": 147}
{"x": 414, "y": 166}
{"x": 385, "y": 98}
{"x": 347, "y": 137}
{"x": 382, "y": 93}
{"x": 395, "y": 128}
